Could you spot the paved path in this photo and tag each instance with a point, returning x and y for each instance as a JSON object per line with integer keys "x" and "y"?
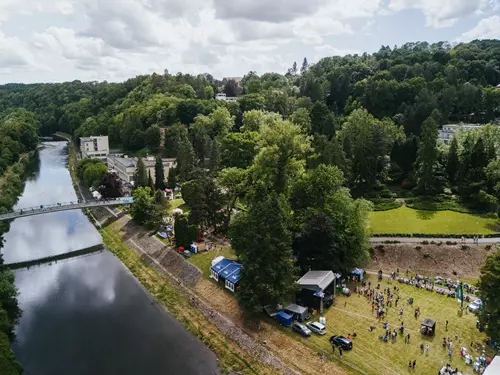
{"x": 482, "y": 241}
{"x": 45, "y": 209}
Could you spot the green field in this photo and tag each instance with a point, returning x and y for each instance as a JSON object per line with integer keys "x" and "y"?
{"x": 408, "y": 220}
{"x": 374, "y": 357}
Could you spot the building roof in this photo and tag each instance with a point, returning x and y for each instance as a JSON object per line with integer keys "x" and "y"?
{"x": 296, "y": 309}
{"x": 316, "y": 280}
{"x": 85, "y": 139}
{"x": 494, "y": 367}
{"x": 228, "y": 269}
{"x": 126, "y": 162}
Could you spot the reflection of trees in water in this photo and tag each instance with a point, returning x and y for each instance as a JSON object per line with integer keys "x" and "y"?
{"x": 32, "y": 170}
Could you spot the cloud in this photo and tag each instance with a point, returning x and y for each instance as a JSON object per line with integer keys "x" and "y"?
{"x": 265, "y": 10}
{"x": 14, "y": 54}
{"x": 443, "y": 13}
{"x": 487, "y": 28}
{"x": 8, "y": 8}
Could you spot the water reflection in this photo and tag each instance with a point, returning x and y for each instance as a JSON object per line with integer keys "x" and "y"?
{"x": 87, "y": 315}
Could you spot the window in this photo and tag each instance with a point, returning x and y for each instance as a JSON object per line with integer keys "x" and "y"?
{"x": 215, "y": 275}
{"x": 230, "y": 286}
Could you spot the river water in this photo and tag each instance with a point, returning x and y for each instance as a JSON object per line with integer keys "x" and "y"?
{"x": 87, "y": 315}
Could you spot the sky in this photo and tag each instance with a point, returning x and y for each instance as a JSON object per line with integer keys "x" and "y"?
{"x": 64, "y": 40}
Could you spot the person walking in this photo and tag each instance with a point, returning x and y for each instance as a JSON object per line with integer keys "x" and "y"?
{"x": 446, "y": 326}
{"x": 427, "y": 349}
{"x": 408, "y": 337}
{"x": 340, "y": 352}
{"x": 414, "y": 364}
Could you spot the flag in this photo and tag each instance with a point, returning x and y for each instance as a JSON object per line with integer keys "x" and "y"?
{"x": 460, "y": 292}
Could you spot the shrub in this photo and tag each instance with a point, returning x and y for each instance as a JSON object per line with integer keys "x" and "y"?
{"x": 384, "y": 204}
{"x": 418, "y": 248}
{"x": 425, "y": 242}
{"x": 487, "y": 247}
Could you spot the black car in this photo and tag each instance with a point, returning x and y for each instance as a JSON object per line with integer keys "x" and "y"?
{"x": 341, "y": 341}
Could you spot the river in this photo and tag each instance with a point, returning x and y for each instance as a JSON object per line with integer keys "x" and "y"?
{"x": 87, "y": 315}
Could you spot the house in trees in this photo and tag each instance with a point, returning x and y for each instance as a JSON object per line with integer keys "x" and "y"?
{"x": 226, "y": 271}
{"x": 94, "y": 147}
{"x": 223, "y": 96}
{"x": 126, "y": 167}
{"x": 168, "y": 164}
{"x": 446, "y": 133}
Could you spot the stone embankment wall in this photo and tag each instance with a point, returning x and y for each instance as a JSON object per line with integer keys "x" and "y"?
{"x": 185, "y": 275}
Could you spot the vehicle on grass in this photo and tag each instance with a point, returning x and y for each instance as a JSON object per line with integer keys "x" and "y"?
{"x": 341, "y": 341}
{"x": 475, "y": 306}
{"x": 428, "y": 327}
{"x": 317, "y": 327}
{"x": 301, "y": 329}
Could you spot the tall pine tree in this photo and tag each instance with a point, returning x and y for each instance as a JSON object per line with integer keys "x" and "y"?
{"x": 159, "y": 174}
{"x": 141, "y": 176}
{"x": 262, "y": 241}
{"x": 429, "y": 168}
{"x": 452, "y": 163}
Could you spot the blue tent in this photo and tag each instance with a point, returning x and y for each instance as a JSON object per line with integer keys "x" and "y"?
{"x": 358, "y": 271}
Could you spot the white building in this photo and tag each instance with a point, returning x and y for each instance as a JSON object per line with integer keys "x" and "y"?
{"x": 126, "y": 167}
{"x": 123, "y": 167}
{"x": 223, "y": 96}
{"x": 94, "y": 147}
{"x": 446, "y": 133}
{"x": 150, "y": 161}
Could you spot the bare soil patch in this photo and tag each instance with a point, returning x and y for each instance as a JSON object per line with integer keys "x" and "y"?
{"x": 444, "y": 260}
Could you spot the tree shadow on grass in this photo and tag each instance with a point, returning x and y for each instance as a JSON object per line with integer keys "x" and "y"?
{"x": 495, "y": 227}
{"x": 425, "y": 215}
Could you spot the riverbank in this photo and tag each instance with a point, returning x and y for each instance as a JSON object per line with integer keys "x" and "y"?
{"x": 11, "y": 187}
{"x": 185, "y": 307}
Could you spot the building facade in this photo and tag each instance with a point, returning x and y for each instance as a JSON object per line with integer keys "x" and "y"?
{"x": 446, "y": 133}
{"x": 222, "y": 96}
{"x": 94, "y": 147}
{"x": 126, "y": 167}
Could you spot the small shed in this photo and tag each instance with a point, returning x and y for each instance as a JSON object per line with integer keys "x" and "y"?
{"x": 316, "y": 285}
{"x": 299, "y": 313}
{"x": 494, "y": 367}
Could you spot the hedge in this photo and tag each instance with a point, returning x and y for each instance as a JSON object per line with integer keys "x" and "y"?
{"x": 435, "y": 235}
{"x": 384, "y": 204}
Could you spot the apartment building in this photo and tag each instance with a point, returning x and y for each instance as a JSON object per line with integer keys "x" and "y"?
{"x": 94, "y": 147}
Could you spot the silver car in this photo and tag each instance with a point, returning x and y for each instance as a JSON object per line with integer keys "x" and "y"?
{"x": 301, "y": 329}
{"x": 476, "y": 305}
{"x": 317, "y": 327}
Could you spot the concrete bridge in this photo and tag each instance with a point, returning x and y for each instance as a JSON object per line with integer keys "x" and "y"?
{"x": 65, "y": 206}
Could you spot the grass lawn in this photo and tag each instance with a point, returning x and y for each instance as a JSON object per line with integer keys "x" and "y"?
{"x": 203, "y": 260}
{"x": 373, "y": 356}
{"x": 408, "y": 220}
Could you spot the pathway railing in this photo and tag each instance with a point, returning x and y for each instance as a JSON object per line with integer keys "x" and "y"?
{"x": 64, "y": 206}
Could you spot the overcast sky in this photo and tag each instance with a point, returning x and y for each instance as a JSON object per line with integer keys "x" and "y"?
{"x": 61, "y": 40}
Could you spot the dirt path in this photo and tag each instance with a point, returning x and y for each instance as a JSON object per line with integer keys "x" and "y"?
{"x": 454, "y": 261}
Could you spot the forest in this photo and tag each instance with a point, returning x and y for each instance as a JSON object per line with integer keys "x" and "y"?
{"x": 296, "y": 150}
{"x": 18, "y": 138}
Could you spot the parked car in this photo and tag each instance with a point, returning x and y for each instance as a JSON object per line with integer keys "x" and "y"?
{"x": 317, "y": 327}
{"x": 301, "y": 329}
{"x": 341, "y": 341}
{"x": 476, "y": 305}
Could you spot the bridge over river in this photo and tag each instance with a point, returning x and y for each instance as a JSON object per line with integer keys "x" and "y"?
{"x": 45, "y": 209}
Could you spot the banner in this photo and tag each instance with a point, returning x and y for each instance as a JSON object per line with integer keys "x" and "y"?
{"x": 460, "y": 292}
